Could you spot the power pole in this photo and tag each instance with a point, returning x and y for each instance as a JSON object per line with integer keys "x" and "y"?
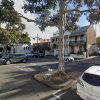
{"x": 37, "y": 43}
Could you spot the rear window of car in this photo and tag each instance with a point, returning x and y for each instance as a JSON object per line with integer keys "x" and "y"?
{"x": 91, "y": 79}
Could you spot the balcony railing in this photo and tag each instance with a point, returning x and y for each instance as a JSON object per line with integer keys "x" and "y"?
{"x": 77, "y": 42}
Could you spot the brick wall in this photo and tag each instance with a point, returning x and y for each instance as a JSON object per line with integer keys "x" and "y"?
{"x": 91, "y": 36}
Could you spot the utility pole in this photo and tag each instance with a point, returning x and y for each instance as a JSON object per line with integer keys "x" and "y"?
{"x": 37, "y": 43}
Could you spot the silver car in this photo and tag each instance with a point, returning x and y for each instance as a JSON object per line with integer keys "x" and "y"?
{"x": 13, "y": 58}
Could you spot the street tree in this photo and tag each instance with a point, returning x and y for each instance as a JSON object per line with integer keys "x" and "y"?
{"x": 41, "y": 47}
{"x": 62, "y": 14}
{"x": 24, "y": 39}
{"x": 13, "y": 32}
{"x": 5, "y": 38}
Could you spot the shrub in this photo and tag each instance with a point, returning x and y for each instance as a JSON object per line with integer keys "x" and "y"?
{"x": 80, "y": 53}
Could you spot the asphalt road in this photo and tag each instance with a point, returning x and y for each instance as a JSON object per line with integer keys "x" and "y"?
{"x": 16, "y": 81}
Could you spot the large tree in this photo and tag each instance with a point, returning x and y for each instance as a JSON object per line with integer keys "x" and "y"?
{"x": 61, "y": 14}
{"x": 13, "y": 32}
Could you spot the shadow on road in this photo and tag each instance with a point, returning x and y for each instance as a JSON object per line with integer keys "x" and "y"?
{"x": 22, "y": 84}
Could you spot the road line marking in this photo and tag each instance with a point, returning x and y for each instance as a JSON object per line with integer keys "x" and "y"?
{"x": 56, "y": 93}
{"x": 24, "y": 68}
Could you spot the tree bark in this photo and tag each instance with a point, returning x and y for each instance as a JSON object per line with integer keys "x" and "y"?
{"x": 61, "y": 38}
{"x": 5, "y": 50}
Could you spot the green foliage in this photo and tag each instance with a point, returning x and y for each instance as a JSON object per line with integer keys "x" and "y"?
{"x": 55, "y": 46}
{"x": 14, "y": 26}
{"x": 48, "y": 11}
{"x": 8, "y": 14}
{"x": 25, "y": 39}
{"x": 41, "y": 47}
{"x": 80, "y": 53}
{"x": 5, "y": 37}
{"x": 98, "y": 40}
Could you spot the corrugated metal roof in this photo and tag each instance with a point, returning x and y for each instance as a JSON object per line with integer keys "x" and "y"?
{"x": 80, "y": 31}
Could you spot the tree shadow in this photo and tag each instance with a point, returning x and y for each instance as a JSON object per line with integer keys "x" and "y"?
{"x": 22, "y": 83}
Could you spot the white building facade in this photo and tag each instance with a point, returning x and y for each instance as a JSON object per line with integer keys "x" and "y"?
{"x": 79, "y": 41}
{"x": 54, "y": 40}
{"x": 21, "y": 48}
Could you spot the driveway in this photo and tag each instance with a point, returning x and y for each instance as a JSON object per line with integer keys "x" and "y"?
{"x": 16, "y": 80}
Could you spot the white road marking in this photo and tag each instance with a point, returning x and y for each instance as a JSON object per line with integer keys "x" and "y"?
{"x": 23, "y": 68}
{"x": 57, "y": 95}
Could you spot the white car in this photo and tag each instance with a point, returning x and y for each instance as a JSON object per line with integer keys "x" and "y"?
{"x": 88, "y": 86}
{"x": 68, "y": 58}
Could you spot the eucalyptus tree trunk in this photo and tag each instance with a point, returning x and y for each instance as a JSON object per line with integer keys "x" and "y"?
{"x": 61, "y": 38}
{"x": 4, "y": 49}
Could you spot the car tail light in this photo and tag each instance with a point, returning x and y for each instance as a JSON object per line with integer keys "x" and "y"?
{"x": 80, "y": 82}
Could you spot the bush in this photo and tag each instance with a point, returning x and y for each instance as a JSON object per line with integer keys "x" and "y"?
{"x": 72, "y": 53}
{"x": 80, "y": 53}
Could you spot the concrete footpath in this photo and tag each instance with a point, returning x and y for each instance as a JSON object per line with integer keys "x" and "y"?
{"x": 91, "y": 57}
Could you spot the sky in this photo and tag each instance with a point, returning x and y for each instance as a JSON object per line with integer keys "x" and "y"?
{"x": 33, "y": 30}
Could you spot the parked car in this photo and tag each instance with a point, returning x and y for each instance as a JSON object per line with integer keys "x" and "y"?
{"x": 35, "y": 54}
{"x": 30, "y": 55}
{"x": 41, "y": 55}
{"x": 68, "y": 58}
{"x": 2, "y": 61}
{"x": 8, "y": 54}
{"x": 0, "y": 55}
{"x": 97, "y": 53}
{"x": 88, "y": 86}
{"x": 13, "y": 58}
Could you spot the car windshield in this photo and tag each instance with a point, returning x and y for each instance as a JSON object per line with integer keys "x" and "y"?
{"x": 92, "y": 79}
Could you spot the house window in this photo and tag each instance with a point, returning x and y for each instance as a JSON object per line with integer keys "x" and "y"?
{"x": 24, "y": 48}
{"x": 28, "y": 48}
{"x": 81, "y": 38}
{"x": 75, "y": 38}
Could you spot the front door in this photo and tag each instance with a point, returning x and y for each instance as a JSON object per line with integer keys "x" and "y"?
{"x": 72, "y": 49}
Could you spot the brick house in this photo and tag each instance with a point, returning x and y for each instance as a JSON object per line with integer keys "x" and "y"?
{"x": 81, "y": 40}
{"x": 44, "y": 42}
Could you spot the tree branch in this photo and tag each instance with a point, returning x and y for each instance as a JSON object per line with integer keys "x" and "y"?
{"x": 82, "y": 11}
{"x": 41, "y": 23}
{"x": 68, "y": 2}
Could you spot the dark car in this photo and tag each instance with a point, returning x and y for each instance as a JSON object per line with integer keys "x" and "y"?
{"x": 0, "y": 55}
{"x": 41, "y": 55}
{"x": 35, "y": 55}
{"x": 97, "y": 53}
{"x": 2, "y": 61}
{"x": 13, "y": 58}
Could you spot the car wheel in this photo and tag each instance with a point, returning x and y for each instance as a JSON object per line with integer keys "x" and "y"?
{"x": 67, "y": 59}
{"x": 24, "y": 60}
{"x": 8, "y": 62}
